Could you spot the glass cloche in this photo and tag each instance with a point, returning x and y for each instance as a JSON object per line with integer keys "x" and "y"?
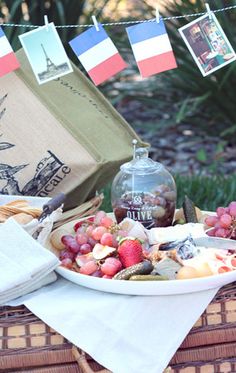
{"x": 144, "y": 190}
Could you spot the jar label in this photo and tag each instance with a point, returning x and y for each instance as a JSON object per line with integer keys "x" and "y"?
{"x": 152, "y": 210}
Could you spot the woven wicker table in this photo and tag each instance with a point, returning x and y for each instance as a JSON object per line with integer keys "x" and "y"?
{"x": 29, "y": 345}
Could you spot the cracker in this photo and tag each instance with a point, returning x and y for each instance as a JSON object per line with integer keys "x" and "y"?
{"x": 22, "y": 218}
{"x": 18, "y": 203}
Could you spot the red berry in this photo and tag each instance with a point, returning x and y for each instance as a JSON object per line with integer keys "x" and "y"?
{"x": 130, "y": 252}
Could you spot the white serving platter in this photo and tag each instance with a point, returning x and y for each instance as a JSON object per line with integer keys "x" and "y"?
{"x": 170, "y": 287}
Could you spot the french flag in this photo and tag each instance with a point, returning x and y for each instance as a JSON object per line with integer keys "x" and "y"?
{"x": 98, "y": 54}
{"x": 151, "y": 47}
{"x": 8, "y": 60}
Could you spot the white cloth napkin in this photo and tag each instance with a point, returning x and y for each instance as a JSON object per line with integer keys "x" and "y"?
{"x": 124, "y": 333}
{"x": 25, "y": 264}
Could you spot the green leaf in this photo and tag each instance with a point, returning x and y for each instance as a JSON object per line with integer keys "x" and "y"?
{"x": 201, "y": 155}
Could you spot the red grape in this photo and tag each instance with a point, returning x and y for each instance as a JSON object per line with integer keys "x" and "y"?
{"x": 67, "y": 263}
{"x": 220, "y": 211}
{"x": 92, "y": 242}
{"x": 111, "y": 266}
{"x": 225, "y": 221}
{"x": 221, "y": 232}
{"x": 107, "y": 222}
{"x": 85, "y": 248}
{"x": 65, "y": 254}
{"x": 107, "y": 276}
{"x": 224, "y": 224}
{"x": 89, "y": 230}
{"x": 98, "y": 232}
{"x": 232, "y": 209}
{"x": 89, "y": 268}
{"x": 97, "y": 273}
{"x": 98, "y": 216}
{"x": 107, "y": 239}
{"x": 81, "y": 238}
{"x": 211, "y": 232}
{"x": 66, "y": 239}
{"x": 83, "y": 222}
{"x": 211, "y": 221}
{"x": 73, "y": 246}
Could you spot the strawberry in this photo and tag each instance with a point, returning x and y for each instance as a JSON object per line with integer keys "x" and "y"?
{"x": 130, "y": 252}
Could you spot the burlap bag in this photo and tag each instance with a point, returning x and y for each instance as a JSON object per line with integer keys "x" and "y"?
{"x": 62, "y": 136}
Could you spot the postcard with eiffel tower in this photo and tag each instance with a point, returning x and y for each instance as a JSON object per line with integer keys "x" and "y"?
{"x": 45, "y": 53}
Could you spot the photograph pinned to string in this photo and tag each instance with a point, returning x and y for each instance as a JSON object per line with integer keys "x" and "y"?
{"x": 45, "y": 53}
{"x": 207, "y": 43}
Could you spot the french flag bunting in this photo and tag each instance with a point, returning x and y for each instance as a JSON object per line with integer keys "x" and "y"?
{"x": 8, "y": 60}
{"x": 151, "y": 47}
{"x": 98, "y": 54}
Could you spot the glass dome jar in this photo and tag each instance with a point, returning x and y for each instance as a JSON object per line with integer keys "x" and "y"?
{"x": 145, "y": 191}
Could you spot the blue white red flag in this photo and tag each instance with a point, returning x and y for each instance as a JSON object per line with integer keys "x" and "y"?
{"x": 151, "y": 47}
{"x": 98, "y": 54}
{"x": 8, "y": 60}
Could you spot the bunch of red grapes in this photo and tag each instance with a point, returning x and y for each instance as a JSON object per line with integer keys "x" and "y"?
{"x": 224, "y": 223}
{"x": 79, "y": 247}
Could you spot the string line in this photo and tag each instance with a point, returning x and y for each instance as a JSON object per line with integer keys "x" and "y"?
{"x": 121, "y": 23}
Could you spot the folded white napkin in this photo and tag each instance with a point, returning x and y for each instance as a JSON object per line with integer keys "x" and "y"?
{"x": 124, "y": 333}
{"x": 9, "y": 268}
{"x": 24, "y": 262}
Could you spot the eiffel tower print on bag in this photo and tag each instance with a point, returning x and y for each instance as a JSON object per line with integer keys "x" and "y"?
{"x": 62, "y": 136}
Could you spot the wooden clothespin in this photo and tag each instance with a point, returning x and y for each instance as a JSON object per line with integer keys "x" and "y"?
{"x": 209, "y": 12}
{"x": 46, "y": 22}
{"x": 95, "y": 22}
{"x": 157, "y": 15}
